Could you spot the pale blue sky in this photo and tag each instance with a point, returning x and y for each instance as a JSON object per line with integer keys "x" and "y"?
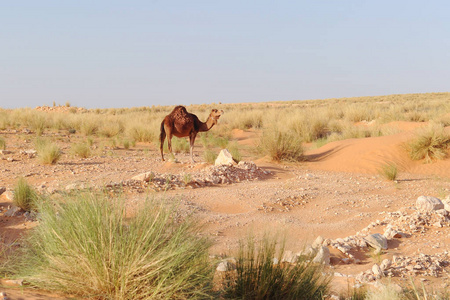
{"x": 143, "y": 53}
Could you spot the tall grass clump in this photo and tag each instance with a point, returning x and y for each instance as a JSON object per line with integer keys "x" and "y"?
{"x": 2, "y": 143}
{"x": 48, "y": 152}
{"x": 389, "y": 171}
{"x": 24, "y": 195}
{"x": 209, "y": 156}
{"x": 81, "y": 150}
{"x": 89, "y": 126}
{"x": 258, "y": 277}
{"x": 141, "y": 133}
{"x": 281, "y": 146}
{"x": 234, "y": 151}
{"x": 430, "y": 143}
{"x": 87, "y": 247}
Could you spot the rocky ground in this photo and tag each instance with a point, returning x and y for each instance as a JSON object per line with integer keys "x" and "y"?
{"x": 346, "y": 210}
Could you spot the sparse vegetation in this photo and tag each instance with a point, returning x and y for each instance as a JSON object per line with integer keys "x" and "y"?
{"x": 150, "y": 256}
{"x": 281, "y": 146}
{"x": 81, "y": 150}
{"x": 209, "y": 156}
{"x": 389, "y": 171}
{"x": 47, "y": 151}
{"x": 25, "y": 196}
{"x": 257, "y": 276}
{"x": 431, "y": 143}
{"x": 2, "y": 143}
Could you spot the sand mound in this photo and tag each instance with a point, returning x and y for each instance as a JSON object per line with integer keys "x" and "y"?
{"x": 369, "y": 154}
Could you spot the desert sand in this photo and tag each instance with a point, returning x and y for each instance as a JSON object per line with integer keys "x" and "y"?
{"x": 335, "y": 193}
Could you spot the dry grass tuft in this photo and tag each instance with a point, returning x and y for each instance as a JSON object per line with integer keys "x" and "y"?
{"x": 430, "y": 143}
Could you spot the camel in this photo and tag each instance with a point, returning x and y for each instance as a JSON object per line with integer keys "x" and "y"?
{"x": 180, "y": 123}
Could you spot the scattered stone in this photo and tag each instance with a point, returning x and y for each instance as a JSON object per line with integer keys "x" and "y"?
{"x": 4, "y": 152}
{"x": 376, "y": 270}
{"x": 9, "y": 195}
{"x": 224, "y": 158}
{"x": 428, "y": 203}
{"x": 146, "y": 177}
{"x": 377, "y": 241}
{"x": 14, "y": 211}
{"x": 323, "y": 256}
{"x": 2, "y": 190}
{"x": 318, "y": 242}
{"x": 228, "y": 264}
{"x": 289, "y": 257}
{"x": 14, "y": 282}
{"x": 385, "y": 264}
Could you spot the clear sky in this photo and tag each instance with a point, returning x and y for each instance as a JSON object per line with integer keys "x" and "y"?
{"x": 142, "y": 53}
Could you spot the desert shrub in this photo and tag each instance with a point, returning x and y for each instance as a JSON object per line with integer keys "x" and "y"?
{"x": 2, "y": 143}
{"x": 37, "y": 122}
{"x": 385, "y": 292}
{"x": 81, "y": 149}
{"x": 389, "y": 171}
{"x": 141, "y": 133}
{"x": 281, "y": 145}
{"x": 430, "y": 143}
{"x": 234, "y": 150}
{"x": 126, "y": 144}
{"x": 47, "y": 151}
{"x": 180, "y": 145}
{"x": 89, "y": 126}
{"x": 111, "y": 129}
{"x": 311, "y": 127}
{"x": 25, "y": 196}
{"x": 209, "y": 156}
{"x": 257, "y": 276}
{"x": 86, "y": 246}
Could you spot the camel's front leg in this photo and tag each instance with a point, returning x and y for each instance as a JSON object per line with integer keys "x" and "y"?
{"x": 191, "y": 148}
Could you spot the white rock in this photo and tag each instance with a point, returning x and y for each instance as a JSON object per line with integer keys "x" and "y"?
{"x": 323, "y": 256}
{"x": 377, "y": 270}
{"x": 446, "y": 202}
{"x": 428, "y": 203}
{"x": 385, "y": 264}
{"x": 377, "y": 241}
{"x": 148, "y": 176}
{"x": 318, "y": 242}
{"x": 224, "y": 158}
{"x": 289, "y": 257}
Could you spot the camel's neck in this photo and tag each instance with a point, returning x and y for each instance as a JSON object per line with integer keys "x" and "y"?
{"x": 207, "y": 125}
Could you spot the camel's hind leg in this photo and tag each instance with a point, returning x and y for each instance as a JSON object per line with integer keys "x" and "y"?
{"x": 191, "y": 142}
{"x": 162, "y": 137}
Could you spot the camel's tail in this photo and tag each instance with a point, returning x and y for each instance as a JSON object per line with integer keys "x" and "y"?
{"x": 162, "y": 137}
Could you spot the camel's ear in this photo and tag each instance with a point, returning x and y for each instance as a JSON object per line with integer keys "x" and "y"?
{"x": 214, "y": 110}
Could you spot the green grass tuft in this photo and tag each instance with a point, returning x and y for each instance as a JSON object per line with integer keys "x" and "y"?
{"x": 257, "y": 276}
{"x": 86, "y": 246}
{"x": 2, "y": 143}
{"x": 48, "y": 152}
{"x": 81, "y": 149}
{"x": 389, "y": 171}
{"x": 281, "y": 146}
{"x": 25, "y": 196}
{"x": 209, "y": 156}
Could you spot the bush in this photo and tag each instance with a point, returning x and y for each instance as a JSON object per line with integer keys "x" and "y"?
{"x": 86, "y": 246}
{"x": 431, "y": 143}
{"x": 48, "y": 152}
{"x": 389, "y": 171}
{"x": 234, "y": 150}
{"x": 81, "y": 149}
{"x": 258, "y": 277}
{"x": 209, "y": 156}
{"x": 281, "y": 146}
{"x": 141, "y": 133}
{"x": 2, "y": 143}
{"x": 25, "y": 196}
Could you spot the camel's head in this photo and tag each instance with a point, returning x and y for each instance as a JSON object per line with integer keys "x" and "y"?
{"x": 215, "y": 115}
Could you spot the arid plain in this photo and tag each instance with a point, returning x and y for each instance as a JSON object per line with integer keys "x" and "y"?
{"x": 335, "y": 188}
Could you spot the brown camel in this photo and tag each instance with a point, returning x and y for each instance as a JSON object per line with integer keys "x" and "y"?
{"x": 180, "y": 123}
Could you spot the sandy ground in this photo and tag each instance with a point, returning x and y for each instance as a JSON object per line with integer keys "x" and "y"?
{"x": 335, "y": 193}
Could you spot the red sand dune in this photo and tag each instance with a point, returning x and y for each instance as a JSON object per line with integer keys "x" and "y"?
{"x": 369, "y": 154}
